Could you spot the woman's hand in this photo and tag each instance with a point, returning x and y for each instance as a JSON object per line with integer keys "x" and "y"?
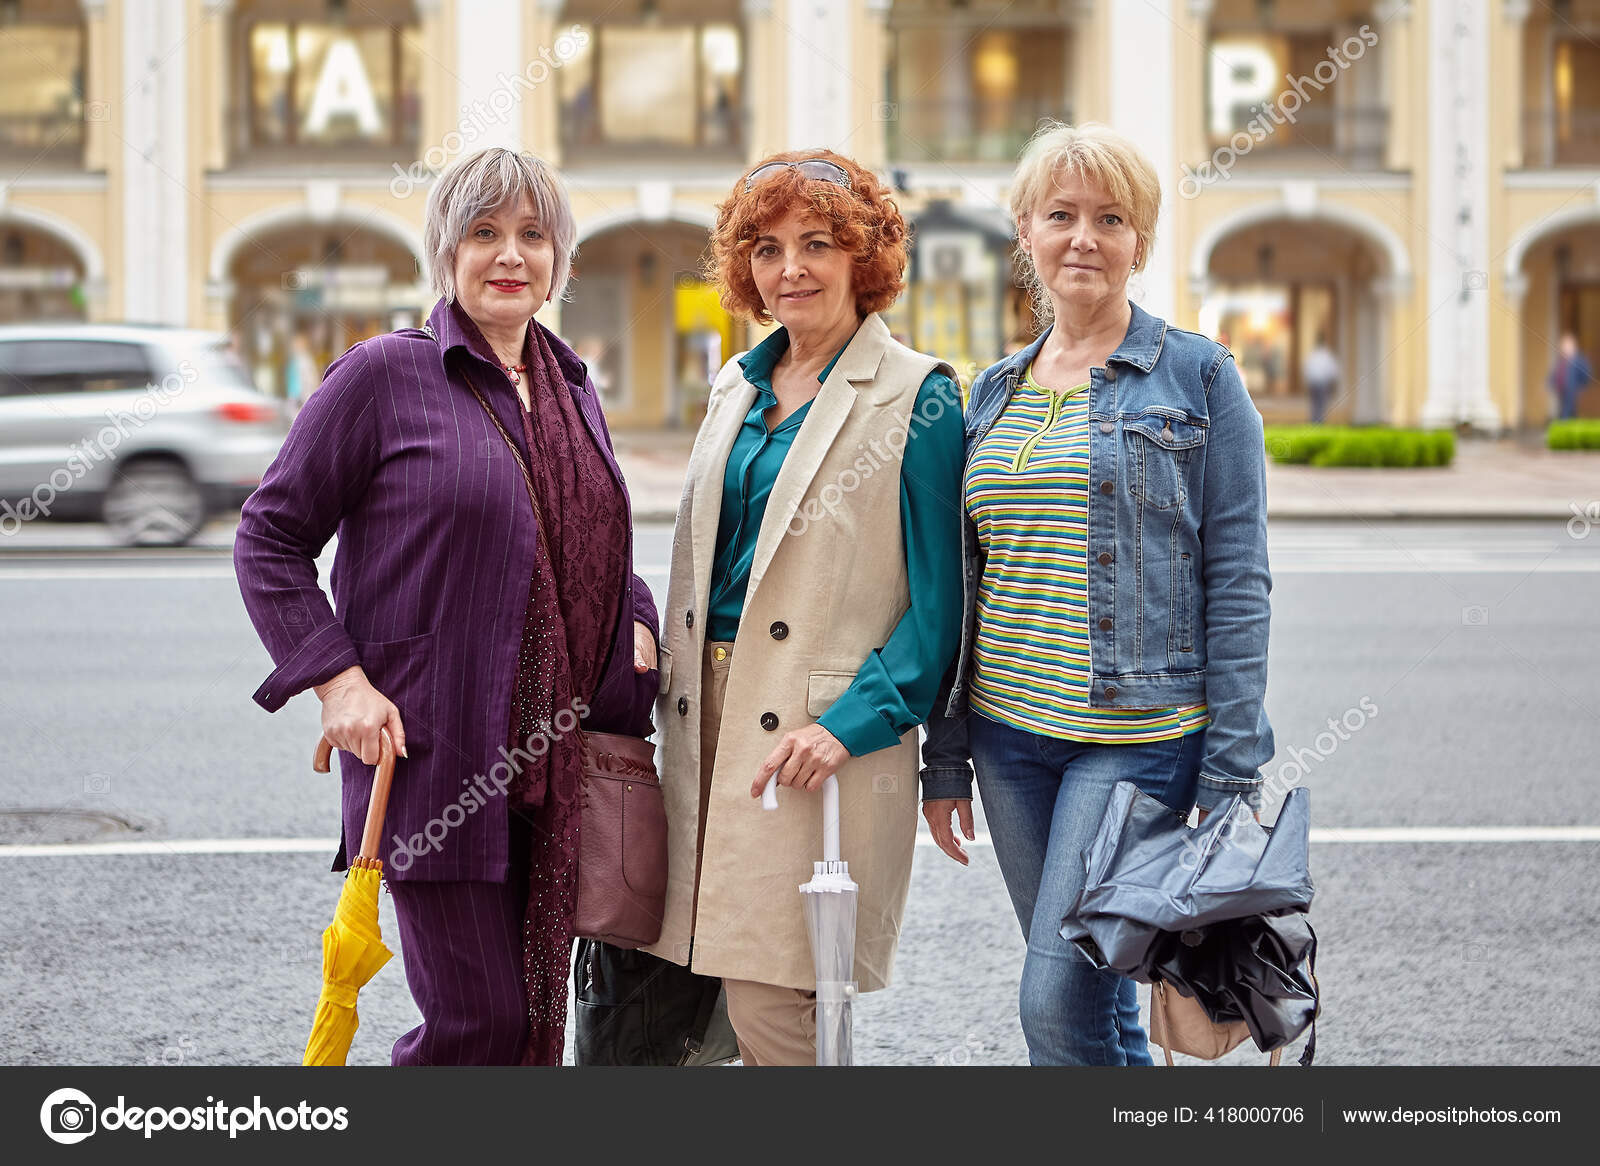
{"x": 804, "y": 759}
{"x": 353, "y": 712}
{"x": 937, "y": 811}
{"x": 644, "y": 647}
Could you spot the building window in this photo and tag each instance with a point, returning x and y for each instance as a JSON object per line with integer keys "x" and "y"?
{"x": 1567, "y": 132}
{"x": 41, "y": 82}
{"x": 327, "y": 86}
{"x": 667, "y": 86}
{"x": 1004, "y": 67}
{"x": 1295, "y": 82}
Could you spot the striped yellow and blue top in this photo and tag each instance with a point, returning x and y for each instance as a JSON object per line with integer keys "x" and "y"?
{"x": 1027, "y": 490}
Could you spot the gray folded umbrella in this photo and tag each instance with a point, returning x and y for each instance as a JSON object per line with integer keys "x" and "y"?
{"x": 1213, "y": 911}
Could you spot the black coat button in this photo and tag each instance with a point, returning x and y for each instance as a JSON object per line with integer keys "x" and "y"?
{"x": 1111, "y": 694}
{"x": 779, "y": 630}
{"x": 1105, "y": 623}
{"x": 688, "y": 619}
{"x": 683, "y": 706}
{"x": 769, "y": 721}
{"x": 1107, "y": 487}
{"x": 1105, "y": 558}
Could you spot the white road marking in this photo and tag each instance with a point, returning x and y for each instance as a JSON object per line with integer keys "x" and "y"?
{"x": 1330, "y": 835}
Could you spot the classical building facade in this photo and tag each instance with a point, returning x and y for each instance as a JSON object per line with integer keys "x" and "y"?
{"x": 1416, "y": 184}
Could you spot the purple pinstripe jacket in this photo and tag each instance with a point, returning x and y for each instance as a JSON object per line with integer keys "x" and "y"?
{"x": 430, "y": 579}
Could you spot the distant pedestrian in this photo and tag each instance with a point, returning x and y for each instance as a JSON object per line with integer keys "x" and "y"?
{"x": 1321, "y": 372}
{"x": 1569, "y": 377}
{"x": 301, "y": 375}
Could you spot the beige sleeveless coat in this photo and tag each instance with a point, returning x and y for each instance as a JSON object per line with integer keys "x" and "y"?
{"x": 830, "y": 567}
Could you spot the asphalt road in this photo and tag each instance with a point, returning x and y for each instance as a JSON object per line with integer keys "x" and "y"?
{"x": 1459, "y": 659}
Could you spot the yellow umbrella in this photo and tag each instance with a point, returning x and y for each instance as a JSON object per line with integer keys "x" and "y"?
{"x": 352, "y": 948}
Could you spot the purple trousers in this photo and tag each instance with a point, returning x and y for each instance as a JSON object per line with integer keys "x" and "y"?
{"x": 462, "y": 947}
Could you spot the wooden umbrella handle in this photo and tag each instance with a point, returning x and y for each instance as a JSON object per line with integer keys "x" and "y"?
{"x": 378, "y": 804}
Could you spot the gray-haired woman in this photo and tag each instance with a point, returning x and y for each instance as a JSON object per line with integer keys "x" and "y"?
{"x": 477, "y": 628}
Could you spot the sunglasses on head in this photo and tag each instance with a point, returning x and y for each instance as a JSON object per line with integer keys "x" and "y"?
{"x": 811, "y": 168}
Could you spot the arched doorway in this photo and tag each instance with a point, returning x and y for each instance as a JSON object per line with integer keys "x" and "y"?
{"x": 1277, "y": 289}
{"x": 324, "y": 286}
{"x": 41, "y": 276}
{"x": 650, "y": 329}
{"x": 1560, "y": 275}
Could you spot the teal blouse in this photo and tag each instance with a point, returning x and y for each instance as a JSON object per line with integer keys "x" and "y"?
{"x": 894, "y": 690}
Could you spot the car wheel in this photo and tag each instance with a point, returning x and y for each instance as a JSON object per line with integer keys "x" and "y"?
{"x": 154, "y": 504}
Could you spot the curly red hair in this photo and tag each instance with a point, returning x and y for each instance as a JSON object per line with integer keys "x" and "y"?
{"x": 864, "y": 219}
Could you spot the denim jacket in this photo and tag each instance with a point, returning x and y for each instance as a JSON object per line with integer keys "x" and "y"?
{"x": 1177, "y": 547}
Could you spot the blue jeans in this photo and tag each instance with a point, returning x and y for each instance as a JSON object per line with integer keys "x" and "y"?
{"x": 1044, "y": 798}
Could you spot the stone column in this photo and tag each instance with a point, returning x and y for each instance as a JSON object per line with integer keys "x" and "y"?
{"x": 817, "y": 49}
{"x": 488, "y": 58}
{"x": 1458, "y": 257}
{"x": 1146, "y": 111}
{"x": 151, "y": 161}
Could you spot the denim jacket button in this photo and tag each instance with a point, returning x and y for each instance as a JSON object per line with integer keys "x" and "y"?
{"x": 1111, "y": 694}
{"x": 1105, "y": 559}
{"x": 1105, "y": 623}
{"x": 1107, "y": 487}
{"x": 1107, "y": 427}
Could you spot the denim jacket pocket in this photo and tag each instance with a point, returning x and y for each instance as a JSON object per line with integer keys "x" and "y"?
{"x": 1159, "y": 444}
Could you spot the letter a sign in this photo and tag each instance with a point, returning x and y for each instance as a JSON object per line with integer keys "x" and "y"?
{"x": 343, "y": 90}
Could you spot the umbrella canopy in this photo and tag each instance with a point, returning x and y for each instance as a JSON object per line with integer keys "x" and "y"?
{"x": 352, "y": 947}
{"x": 830, "y": 907}
{"x": 1217, "y": 912}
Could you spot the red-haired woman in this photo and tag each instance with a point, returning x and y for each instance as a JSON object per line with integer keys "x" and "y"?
{"x": 815, "y": 596}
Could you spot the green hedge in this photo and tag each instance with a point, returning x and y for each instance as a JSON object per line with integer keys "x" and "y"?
{"x": 1337, "y": 445}
{"x": 1583, "y": 433}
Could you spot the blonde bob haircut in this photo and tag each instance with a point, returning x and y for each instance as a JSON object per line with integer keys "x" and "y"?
{"x": 481, "y": 184}
{"x": 1098, "y": 156}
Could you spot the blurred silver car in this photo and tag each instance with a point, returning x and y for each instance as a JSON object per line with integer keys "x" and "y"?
{"x": 151, "y": 429}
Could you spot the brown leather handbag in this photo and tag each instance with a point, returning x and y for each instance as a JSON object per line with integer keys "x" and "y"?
{"x": 622, "y": 828}
{"x": 622, "y": 843}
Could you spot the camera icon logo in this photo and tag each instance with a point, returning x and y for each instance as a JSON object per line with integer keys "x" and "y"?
{"x": 885, "y": 111}
{"x": 97, "y": 111}
{"x": 1474, "y": 280}
{"x": 885, "y": 783}
{"x": 1475, "y": 616}
{"x": 97, "y": 783}
{"x": 294, "y": 281}
{"x": 68, "y": 1116}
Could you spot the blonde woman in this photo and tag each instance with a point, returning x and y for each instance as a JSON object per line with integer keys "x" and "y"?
{"x": 1116, "y": 579}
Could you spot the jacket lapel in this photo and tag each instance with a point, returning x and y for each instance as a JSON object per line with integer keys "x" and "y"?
{"x": 859, "y": 362}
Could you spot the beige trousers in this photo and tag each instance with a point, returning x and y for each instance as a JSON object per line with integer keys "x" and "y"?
{"x": 774, "y": 1025}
